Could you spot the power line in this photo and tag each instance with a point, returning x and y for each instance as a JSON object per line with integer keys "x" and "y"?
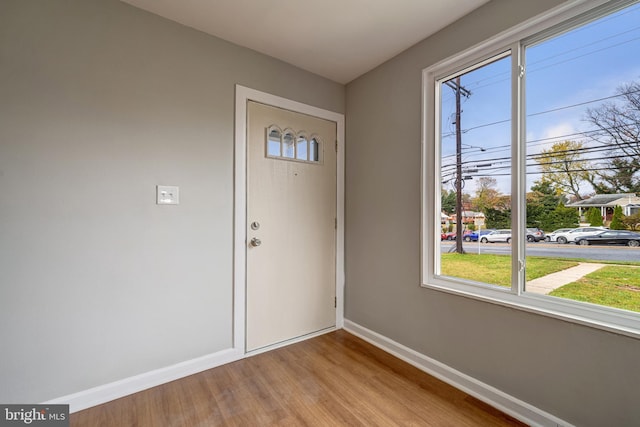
{"x": 593, "y": 43}
{"x": 581, "y": 150}
{"x": 534, "y": 165}
{"x": 533, "y": 69}
{"x": 543, "y": 172}
{"x": 589, "y": 26}
{"x": 494, "y": 165}
{"x": 547, "y": 111}
{"x": 533, "y": 156}
{"x": 586, "y": 54}
{"x": 582, "y": 103}
{"x": 545, "y": 141}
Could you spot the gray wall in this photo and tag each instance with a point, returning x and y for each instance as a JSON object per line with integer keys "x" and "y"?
{"x": 587, "y": 377}
{"x": 99, "y": 103}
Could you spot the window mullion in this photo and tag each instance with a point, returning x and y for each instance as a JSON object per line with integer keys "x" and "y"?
{"x": 518, "y": 167}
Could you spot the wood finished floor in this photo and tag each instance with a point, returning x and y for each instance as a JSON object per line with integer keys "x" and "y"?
{"x": 336, "y": 379}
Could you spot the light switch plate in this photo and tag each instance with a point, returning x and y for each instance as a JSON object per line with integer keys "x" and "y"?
{"x": 167, "y": 195}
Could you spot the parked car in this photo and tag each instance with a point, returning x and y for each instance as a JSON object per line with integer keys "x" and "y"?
{"x": 534, "y": 235}
{"x": 473, "y": 236}
{"x": 551, "y": 237}
{"x": 572, "y": 235}
{"x": 611, "y": 237}
{"x": 497, "y": 236}
{"x": 450, "y": 235}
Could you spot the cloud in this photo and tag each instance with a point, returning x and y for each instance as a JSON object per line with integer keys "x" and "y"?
{"x": 550, "y": 134}
{"x": 559, "y": 131}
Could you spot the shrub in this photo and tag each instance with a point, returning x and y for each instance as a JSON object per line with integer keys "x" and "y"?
{"x": 632, "y": 222}
{"x": 617, "y": 219}
{"x": 593, "y": 217}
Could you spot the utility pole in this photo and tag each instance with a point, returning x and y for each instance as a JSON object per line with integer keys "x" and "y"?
{"x": 459, "y": 90}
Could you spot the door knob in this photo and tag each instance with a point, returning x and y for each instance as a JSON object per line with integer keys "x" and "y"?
{"x": 255, "y": 242}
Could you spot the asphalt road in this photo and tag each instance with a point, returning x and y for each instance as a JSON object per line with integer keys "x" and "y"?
{"x": 570, "y": 250}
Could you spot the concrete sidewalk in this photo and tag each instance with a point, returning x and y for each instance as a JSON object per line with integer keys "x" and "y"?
{"x": 544, "y": 285}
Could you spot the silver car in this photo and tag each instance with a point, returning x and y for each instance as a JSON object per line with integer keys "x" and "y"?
{"x": 571, "y": 236}
{"x": 497, "y": 236}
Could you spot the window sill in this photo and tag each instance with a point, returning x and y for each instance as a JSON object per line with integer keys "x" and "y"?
{"x": 594, "y": 316}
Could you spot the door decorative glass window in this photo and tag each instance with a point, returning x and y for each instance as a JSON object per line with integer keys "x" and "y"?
{"x": 291, "y": 145}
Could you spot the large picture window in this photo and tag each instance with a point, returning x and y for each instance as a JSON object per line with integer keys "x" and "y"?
{"x": 532, "y": 167}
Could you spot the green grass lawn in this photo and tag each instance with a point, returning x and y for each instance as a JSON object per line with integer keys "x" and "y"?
{"x": 496, "y": 269}
{"x": 612, "y": 286}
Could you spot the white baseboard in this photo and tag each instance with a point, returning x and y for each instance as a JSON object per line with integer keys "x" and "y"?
{"x": 121, "y": 388}
{"x": 518, "y": 409}
{"x": 115, "y": 390}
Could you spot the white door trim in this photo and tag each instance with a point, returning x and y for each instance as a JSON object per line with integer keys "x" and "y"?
{"x": 243, "y": 95}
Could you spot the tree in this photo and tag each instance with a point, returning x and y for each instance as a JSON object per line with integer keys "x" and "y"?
{"x": 564, "y": 168}
{"x": 536, "y": 212}
{"x": 561, "y": 217}
{"x": 547, "y": 194}
{"x": 618, "y": 126}
{"x": 486, "y": 194}
{"x": 617, "y": 219}
{"x": 498, "y": 218}
{"x": 448, "y": 201}
{"x": 545, "y": 208}
{"x": 593, "y": 217}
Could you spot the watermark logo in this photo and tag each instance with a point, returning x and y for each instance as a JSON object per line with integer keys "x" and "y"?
{"x": 34, "y": 415}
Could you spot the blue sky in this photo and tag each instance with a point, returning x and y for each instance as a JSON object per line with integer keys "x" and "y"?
{"x": 577, "y": 67}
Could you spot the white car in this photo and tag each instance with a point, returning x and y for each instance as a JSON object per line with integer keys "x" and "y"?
{"x": 497, "y": 236}
{"x": 551, "y": 237}
{"x": 571, "y": 236}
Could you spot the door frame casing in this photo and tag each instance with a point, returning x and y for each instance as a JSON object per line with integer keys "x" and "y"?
{"x": 243, "y": 96}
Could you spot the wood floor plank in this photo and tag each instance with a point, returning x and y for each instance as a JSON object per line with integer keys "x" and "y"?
{"x": 335, "y": 379}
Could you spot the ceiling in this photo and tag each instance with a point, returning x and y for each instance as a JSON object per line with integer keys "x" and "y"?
{"x": 337, "y": 39}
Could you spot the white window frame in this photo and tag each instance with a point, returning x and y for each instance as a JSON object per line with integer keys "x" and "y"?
{"x": 546, "y": 25}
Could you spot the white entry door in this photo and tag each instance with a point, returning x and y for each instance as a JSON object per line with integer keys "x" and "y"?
{"x": 291, "y": 225}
